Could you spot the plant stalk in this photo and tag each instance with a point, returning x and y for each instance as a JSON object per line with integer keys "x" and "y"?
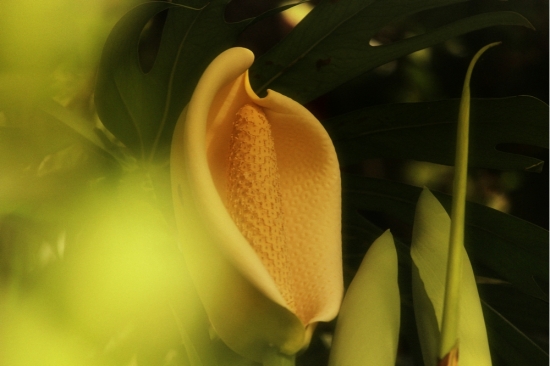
{"x": 449, "y": 326}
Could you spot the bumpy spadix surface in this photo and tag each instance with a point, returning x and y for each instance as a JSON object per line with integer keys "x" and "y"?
{"x": 254, "y": 200}
{"x": 258, "y": 212}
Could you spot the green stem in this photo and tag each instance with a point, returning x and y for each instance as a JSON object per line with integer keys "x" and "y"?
{"x": 275, "y": 358}
{"x": 192, "y": 354}
{"x": 449, "y": 326}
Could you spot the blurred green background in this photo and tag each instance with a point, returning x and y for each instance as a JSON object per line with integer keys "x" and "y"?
{"x": 70, "y": 293}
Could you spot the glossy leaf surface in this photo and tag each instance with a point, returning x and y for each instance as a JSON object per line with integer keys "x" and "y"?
{"x": 426, "y": 132}
{"x": 331, "y": 45}
{"x": 514, "y": 347}
{"x": 514, "y": 249}
{"x": 500, "y": 245}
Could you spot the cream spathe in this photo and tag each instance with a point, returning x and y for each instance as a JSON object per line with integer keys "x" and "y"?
{"x": 250, "y": 307}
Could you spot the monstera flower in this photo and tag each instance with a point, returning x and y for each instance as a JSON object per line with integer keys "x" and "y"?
{"x": 256, "y": 190}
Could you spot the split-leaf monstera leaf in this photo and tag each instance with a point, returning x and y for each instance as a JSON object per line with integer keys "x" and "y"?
{"x": 257, "y": 198}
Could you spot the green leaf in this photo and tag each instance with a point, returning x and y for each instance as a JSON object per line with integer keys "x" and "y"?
{"x": 517, "y": 318}
{"x": 532, "y": 319}
{"x": 358, "y": 233}
{"x": 509, "y": 343}
{"x": 429, "y": 251}
{"x": 500, "y": 245}
{"x": 141, "y": 108}
{"x": 426, "y": 132}
{"x": 331, "y": 45}
{"x": 367, "y": 330}
{"x": 46, "y": 164}
{"x": 84, "y": 129}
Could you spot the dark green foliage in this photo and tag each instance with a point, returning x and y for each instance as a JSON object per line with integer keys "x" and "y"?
{"x": 141, "y": 108}
{"x": 427, "y": 132}
{"x": 331, "y": 45}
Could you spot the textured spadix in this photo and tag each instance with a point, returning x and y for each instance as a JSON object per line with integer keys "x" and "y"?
{"x": 257, "y": 200}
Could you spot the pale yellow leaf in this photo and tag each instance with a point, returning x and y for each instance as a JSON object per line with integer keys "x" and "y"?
{"x": 429, "y": 251}
{"x": 367, "y": 331}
